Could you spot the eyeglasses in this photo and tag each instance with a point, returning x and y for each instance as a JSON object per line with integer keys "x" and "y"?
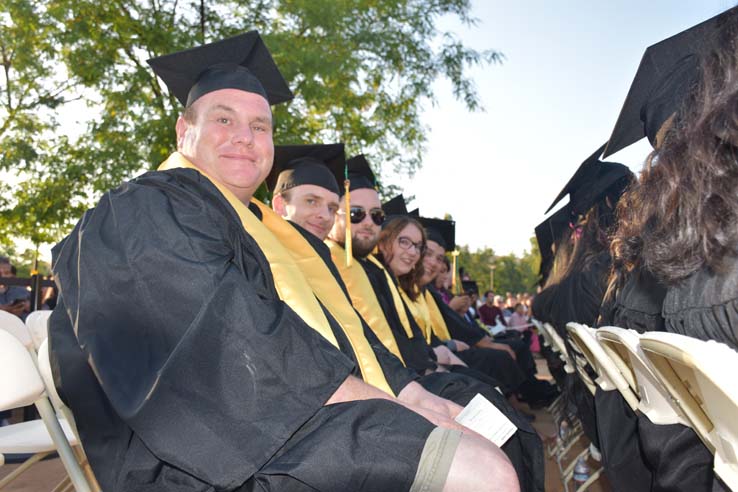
{"x": 358, "y": 214}
{"x": 406, "y": 243}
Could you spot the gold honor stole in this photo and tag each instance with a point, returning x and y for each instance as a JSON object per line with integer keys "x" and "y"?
{"x": 364, "y": 298}
{"x": 288, "y": 280}
{"x": 329, "y": 292}
{"x": 439, "y": 324}
{"x": 396, "y": 299}
{"x": 419, "y": 309}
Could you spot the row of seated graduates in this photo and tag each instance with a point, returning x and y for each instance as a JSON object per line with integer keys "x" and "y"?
{"x": 655, "y": 253}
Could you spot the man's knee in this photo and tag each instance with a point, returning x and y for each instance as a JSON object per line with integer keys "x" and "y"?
{"x": 480, "y": 465}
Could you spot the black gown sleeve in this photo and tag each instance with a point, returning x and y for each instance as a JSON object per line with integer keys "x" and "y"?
{"x": 173, "y": 307}
{"x": 458, "y": 327}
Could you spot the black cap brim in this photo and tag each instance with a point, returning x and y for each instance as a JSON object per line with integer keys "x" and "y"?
{"x": 319, "y": 164}
{"x": 360, "y": 173}
{"x": 583, "y": 172}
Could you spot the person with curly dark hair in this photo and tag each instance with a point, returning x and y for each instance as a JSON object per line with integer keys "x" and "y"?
{"x": 675, "y": 258}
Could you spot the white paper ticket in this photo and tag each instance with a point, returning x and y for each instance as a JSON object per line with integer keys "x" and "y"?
{"x": 484, "y": 418}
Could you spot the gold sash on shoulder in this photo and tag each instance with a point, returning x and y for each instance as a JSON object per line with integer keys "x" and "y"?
{"x": 439, "y": 324}
{"x": 329, "y": 292}
{"x": 364, "y": 298}
{"x": 288, "y": 280}
{"x": 396, "y": 299}
{"x": 419, "y": 309}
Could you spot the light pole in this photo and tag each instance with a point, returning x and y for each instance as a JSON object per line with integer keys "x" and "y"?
{"x": 492, "y": 267}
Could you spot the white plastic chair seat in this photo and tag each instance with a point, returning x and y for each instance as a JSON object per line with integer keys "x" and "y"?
{"x": 655, "y": 401}
{"x": 610, "y": 376}
{"x": 702, "y": 377}
{"x": 31, "y": 437}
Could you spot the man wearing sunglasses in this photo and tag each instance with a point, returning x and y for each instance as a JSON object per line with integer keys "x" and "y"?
{"x": 304, "y": 182}
{"x": 367, "y": 282}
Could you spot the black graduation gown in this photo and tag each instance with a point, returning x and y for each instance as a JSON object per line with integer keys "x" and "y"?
{"x": 524, "y": 448}
{"x": 185, "y": 371}
{"x": 494, "y": 363}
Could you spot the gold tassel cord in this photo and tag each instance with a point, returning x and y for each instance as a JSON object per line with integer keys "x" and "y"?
{"x": 349, "y": 249}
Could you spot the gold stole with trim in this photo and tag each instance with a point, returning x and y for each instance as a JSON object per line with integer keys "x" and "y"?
{"x": 288, "y": 279}
{"x": 363, "y": 297}
{"x": 439, "y": 324}
{"x": 419, "y": 309}
{"x": 396, "y": 299}
{"x": 329, "y": 292}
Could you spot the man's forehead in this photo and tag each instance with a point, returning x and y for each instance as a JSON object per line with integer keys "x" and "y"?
{"x": 365, "y": 197}
{"x": 313, "y": 190}
{"x": 233, "y": 99}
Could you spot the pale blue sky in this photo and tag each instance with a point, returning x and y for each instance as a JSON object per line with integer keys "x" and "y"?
{"x": 555, "y": 99}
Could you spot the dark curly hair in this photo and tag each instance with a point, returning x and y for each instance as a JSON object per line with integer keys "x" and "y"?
{"x": 390, "y": 231}
{"x": 682, "y": 215}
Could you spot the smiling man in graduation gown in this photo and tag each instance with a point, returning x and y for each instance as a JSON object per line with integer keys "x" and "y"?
{"x": 188, "y": 344}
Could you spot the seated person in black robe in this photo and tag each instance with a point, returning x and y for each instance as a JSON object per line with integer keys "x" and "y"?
{"x": 678, "y": 227}
{"x": 524, "y": 449}
{"x": 184, "y": 367}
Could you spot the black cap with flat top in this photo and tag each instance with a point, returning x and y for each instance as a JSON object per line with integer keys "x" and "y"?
{"x": 669, "y": 71}
{"x": 580, "y": 176}
{"x": 395, "y": 206}
{"x": 295, "y": 165}
{"x": 440, "y": 231}
{"x": 241, "y": 62}
{"x": 548, "y": 233}
{"x": 360, "y": 174}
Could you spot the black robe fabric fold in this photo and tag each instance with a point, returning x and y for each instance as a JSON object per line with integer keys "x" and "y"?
{"x": 617, "y": 430}
{"x": 181, "y": 365}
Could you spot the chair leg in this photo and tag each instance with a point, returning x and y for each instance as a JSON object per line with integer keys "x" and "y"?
{"x": 62, "y": 485}
{"x": 22, "y": 468}
{"x": 86, "y": 468}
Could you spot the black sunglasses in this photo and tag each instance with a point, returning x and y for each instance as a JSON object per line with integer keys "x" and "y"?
{"x": 358, "y": 214}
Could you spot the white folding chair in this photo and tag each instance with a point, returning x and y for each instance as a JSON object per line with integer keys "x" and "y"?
{"x": 37, "y": 325}
{"x": 559, "y": 346}
{"x": 610, "y": 377}
{"x": 15, "y": 326}
{"x": 65, "y": 414}
{"x": 702, "y": 378}
{"x": 21, "y": 385}
{"x": 580, "y": 360}
{"x": 654, "y": 400}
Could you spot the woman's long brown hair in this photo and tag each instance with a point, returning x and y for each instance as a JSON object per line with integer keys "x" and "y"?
{"x": 391, "y": 230}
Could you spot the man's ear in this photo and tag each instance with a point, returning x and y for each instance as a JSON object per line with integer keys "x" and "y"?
{"x": 181, "y": 129}
{"x": 279, "y": 206}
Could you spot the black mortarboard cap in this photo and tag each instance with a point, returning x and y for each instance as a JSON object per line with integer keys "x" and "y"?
{"x": 440, "y": 231}
{"x": 606, "y": 179}
{"x": 295, "y": 165}
{"x": 360, "y": 173}
{"x": 548, "y": 233}
{"x": 668, "y": 72}
{"x": 580, "y": 177}
{"x": 241, "y": 62}
{"x": 395, "y": 206}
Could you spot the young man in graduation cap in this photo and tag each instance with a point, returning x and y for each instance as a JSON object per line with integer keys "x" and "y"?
{"x": 188, "y": 344}
{"x": 374, "y": 295}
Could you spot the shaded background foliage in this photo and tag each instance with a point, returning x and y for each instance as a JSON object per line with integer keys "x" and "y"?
{"x": 80, "y": 110}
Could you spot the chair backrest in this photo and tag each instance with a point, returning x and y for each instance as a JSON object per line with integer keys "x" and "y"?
{"x": 579, "y": 356}
{"x": 558, "y": 345}
{"x": 15, "y": 326}
{"x": 702, "y": 377}
{"x": 37, "y": 324}
{"x": 655, "y": 401}
{"x": 44, "y": 368}
{"x": 609, "y": 375}
{"x": 20, "y": 383}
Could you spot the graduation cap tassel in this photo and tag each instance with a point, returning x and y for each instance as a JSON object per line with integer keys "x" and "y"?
{"x": 454, "y": 282}
{"x": 347, "y": 195}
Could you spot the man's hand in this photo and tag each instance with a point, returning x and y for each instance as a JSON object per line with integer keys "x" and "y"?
{"x": 414, "y": 394}
{"x": 461, "y": 346}
{"x": 460, "y": 304}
